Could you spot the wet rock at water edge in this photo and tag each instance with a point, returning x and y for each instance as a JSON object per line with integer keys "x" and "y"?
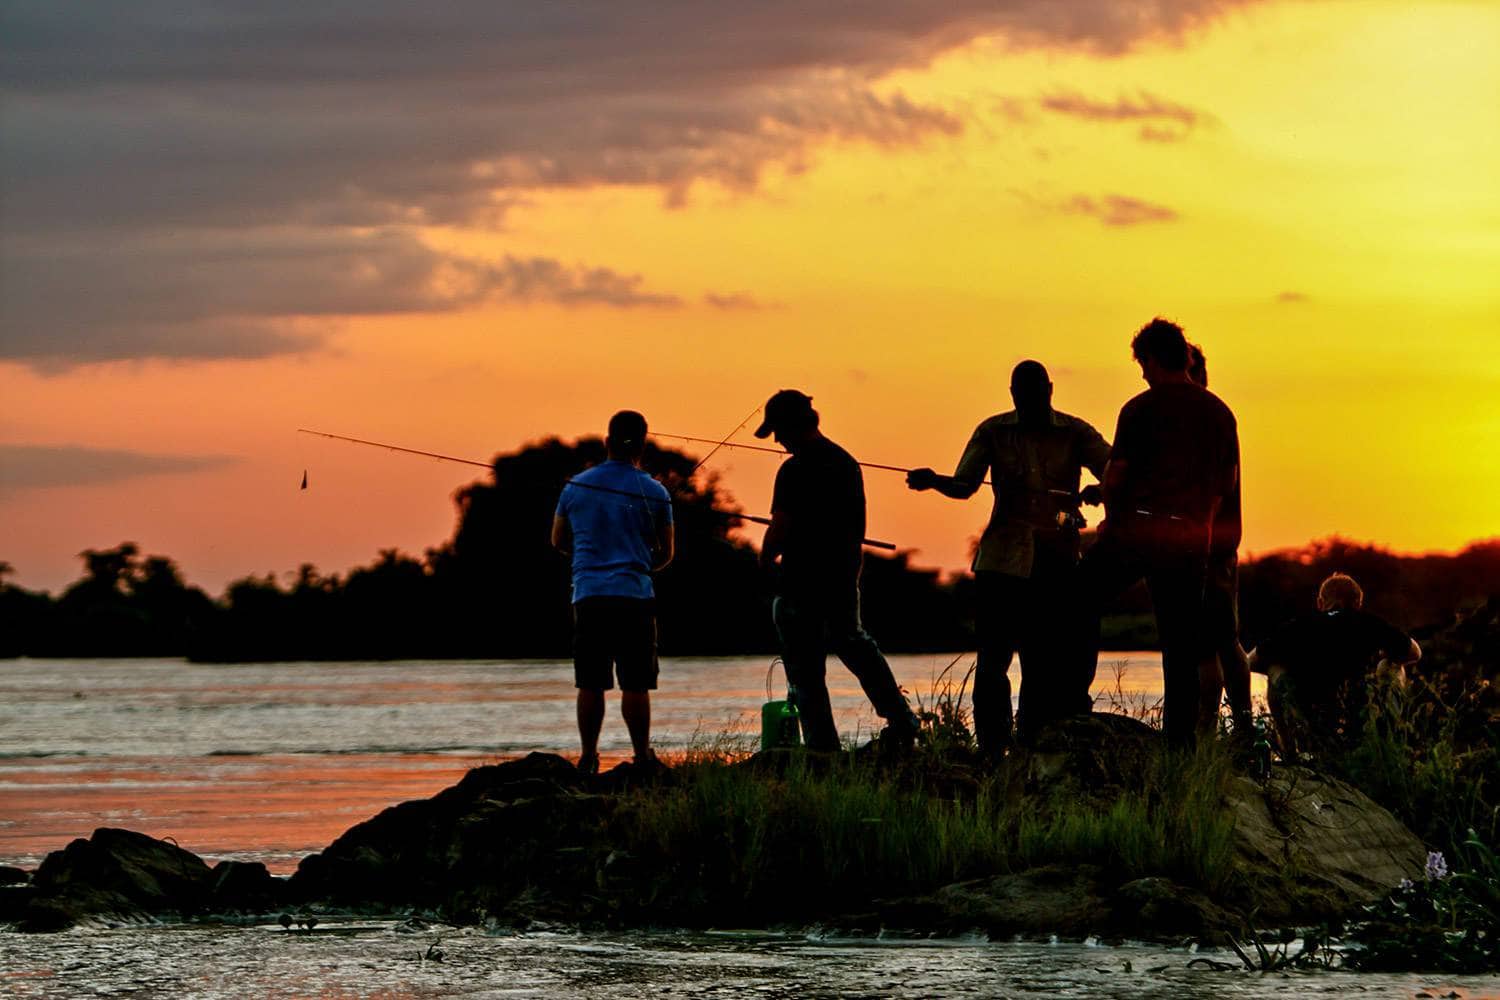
{"x": 116, "y": 876}
{"x": 14, "y": 876}
{"x": 472, "y": 846}
{"x": 1059, "y": 899}
{"x": 1169, "y": 911}
{"x": 245, "y": 887}
{"x": 13, "y": 902}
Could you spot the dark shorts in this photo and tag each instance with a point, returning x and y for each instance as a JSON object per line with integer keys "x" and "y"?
{"x": 614, "y": 636}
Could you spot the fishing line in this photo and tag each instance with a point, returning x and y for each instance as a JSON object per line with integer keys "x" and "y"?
{"x": 777, "y": 451}
{"x": 871, "y": 542}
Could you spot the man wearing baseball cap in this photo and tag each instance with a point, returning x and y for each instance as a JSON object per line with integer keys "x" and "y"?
{"x": 816, "y": 537}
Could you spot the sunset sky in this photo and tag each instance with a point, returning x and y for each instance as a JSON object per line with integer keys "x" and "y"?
{"x": 472, "y": 226}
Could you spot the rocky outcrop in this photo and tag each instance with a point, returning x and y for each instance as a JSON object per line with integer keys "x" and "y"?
{"x": 470, "y": 848}
{"x": 534, "y": 840}
{"x": 1330, "y": 843}
{"x": 115, "y": 876}
{"x": 1067, "y": 900}
{"x": 119, "y": 877}
{"x": 244, "y": 887}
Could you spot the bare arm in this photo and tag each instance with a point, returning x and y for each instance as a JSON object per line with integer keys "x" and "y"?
{"x": 666, "y": 542}
{"x": 1114, "y": 481}
{"x": 774, "y": 543}
{"x": 948, "y": 486}
{"x": 562, "y": 534}
{"x": 967, "y": 476}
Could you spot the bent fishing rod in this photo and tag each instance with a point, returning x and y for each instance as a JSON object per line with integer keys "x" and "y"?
{"x": 870, "y": 542}
{"x": 778, "y": 451}
{"x": 1072, "y": 495}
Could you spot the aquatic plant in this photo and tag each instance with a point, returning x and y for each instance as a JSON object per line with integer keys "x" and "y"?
{"x": 1448, "y": 921}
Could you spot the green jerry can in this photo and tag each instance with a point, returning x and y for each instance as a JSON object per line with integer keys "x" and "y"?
{"x": 779, "y": 725}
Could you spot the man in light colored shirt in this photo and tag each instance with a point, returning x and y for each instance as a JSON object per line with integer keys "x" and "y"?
{"x": 1024, "y": 564}
{"x": 616, "y": 523}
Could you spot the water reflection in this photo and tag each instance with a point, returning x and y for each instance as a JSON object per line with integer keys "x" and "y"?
{"x": 386, "y": 960}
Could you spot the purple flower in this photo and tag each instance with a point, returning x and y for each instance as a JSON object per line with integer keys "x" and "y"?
{"x": 1436, "y": 868}
{"x": 1405, "y": 884}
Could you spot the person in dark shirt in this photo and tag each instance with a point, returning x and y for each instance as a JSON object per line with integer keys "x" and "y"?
{"x": 1222, "y": 598}
{"x": 1174, "y": 461}
{"x": 816, "y": 536}
{"x": 1023, "y": 567}
{"x": 1318, "y": 667}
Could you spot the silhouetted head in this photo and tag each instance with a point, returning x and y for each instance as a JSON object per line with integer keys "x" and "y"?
{"x": 1031, "y": 391}
{"x": 1197, "y": 366}
{"x": 790, "y": 417}
{"x": 626, "y": 441}
{"x": 1162, "y": 352}
{"x": 1340, "y": 593}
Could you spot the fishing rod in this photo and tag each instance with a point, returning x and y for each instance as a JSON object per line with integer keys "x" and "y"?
{"x": 778, "y": 451}
{"x": 870, "y": 542}
{"x": 1070, "y": 494}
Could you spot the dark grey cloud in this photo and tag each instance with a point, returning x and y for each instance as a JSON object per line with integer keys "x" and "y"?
{"x": 1159, "y": 119}
{"x": 137, "y": 134}
{"x": 244, "y": 294}
{"x": 35, "y": 466}
{"x": 1119, "y": 209}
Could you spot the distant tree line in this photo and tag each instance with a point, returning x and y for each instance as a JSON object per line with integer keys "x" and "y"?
{"x": 496, "y": 589}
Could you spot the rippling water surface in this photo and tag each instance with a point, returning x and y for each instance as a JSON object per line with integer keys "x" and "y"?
{"x": 386, "y": 960}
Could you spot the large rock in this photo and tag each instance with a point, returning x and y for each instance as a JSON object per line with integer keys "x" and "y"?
{"x": 486, "y": 838}
{"x": 244, "y": 887}
{"x": 1068, "y": 900}
{"x": 1058, "y": 899}
{"x": 1305, "y": 848}
{"x": 115, "y": 876}
{"x": 1095, "y": 755}
{"x": 1332, "y": 844}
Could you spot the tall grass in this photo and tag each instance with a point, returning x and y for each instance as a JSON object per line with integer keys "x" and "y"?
{"x": 844, "y": 830}
{"x": 1419, "y": 753}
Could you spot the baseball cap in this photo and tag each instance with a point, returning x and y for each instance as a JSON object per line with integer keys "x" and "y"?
{"x": 787, "y": 408}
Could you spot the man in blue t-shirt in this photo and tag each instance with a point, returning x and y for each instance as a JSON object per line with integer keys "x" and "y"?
{"x": 616, "y": 523}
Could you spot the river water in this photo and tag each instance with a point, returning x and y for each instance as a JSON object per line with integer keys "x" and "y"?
{"x": 270, "y": 762}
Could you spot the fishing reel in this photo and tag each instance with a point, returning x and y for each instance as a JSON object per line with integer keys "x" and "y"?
{"x": 1071, "y": 520}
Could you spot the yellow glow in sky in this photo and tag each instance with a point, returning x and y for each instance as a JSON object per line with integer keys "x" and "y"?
{"x": 1317, "y": 206}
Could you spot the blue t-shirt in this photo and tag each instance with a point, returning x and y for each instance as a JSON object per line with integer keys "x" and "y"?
{"x": 613, "y": 529}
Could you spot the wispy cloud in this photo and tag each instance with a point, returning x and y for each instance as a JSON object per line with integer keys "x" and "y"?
{"x": 1120, "y": 210}
{"x": 732, "y": 300}
{"x": 1160, "y": 120}
{"x": 33, "y": 466}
